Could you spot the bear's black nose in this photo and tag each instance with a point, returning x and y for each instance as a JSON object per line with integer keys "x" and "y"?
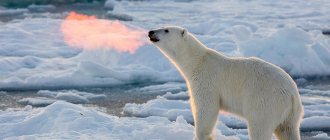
{"x": 152, "y": 36}
{"x": 151, "y": 33}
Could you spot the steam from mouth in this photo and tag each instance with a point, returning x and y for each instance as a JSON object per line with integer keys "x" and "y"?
{"x": 88, "y": 32}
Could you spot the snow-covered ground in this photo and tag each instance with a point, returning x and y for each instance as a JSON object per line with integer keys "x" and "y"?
{"x": 317, "y": 110}
{"x": 34, "y": 55}
{"x": 49, "y": 97}
{"x": 62, "y": 120}
{"x": 166, "y": 117}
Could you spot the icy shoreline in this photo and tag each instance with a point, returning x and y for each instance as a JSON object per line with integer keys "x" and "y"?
{"x": 166, "y": 117}
{"x": 63, "y": 120}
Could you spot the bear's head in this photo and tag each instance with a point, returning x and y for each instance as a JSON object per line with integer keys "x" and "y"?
{"x": 170, "y": 40}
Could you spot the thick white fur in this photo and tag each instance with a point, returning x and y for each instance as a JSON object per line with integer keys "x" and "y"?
{"x": 262, "y": 93}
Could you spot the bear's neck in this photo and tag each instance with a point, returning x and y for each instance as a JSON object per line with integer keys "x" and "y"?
{"x": 189, "y": 59}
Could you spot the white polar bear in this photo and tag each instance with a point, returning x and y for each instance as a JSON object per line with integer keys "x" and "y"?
{"x": 262, "y": 93}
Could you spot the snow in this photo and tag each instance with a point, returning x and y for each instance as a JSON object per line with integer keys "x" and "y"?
{"x": 160, "y": 118}
{"x": 171, "y": 109}
{"x": 62, "y": 120}
{"x": 308, "y": 92}
{"x": 161, "y": 107}
{"x": 316, "y": 123}
{"x": 118, "y": 16}
{"x": 161, "y": 88}
{"x": 177, "y": 96}
{"x": 72, "y": 96}
{"x": 109, "y": 4}
{"x": 57, "y": 65}
{"x": 295, "y": 50}
{"x": 316, "y": 111}
{"x": 56, "y": 94}
{"x": 48, "y": 97}
{"x": 35, "y": 56}
{"x": 11, "y": 12}
{"x": 322, "y": 136}
{"x": 38, "y": 102}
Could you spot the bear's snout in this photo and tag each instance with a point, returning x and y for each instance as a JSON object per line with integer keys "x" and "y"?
{"x": 152, "y": 36}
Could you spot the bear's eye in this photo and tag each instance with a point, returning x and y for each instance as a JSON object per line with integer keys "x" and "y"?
{"x": 166, "y": 31}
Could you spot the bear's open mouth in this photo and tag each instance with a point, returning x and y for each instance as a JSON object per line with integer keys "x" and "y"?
{"x": 154, "y": 39}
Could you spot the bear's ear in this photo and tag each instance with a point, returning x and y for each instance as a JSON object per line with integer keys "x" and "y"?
{"x": 184, "y": 32}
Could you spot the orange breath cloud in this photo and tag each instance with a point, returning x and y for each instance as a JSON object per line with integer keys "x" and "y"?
{"x": 88, "y": 32}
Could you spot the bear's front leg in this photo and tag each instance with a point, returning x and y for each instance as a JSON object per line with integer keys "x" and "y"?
{"x": 205, "y": 110}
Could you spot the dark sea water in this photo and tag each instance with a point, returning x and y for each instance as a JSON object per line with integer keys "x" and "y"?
{"x": 115, "y": 100}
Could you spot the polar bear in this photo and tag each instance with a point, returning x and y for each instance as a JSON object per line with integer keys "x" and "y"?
{"x": 256, "y": 90}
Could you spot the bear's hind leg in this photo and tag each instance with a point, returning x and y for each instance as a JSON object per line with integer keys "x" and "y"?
{"x": 288, "y": 131}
